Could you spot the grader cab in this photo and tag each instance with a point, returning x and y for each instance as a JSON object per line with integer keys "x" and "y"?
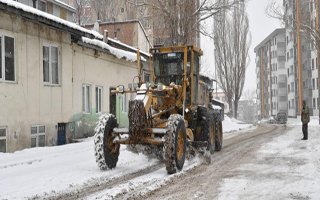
{"x": 171, "y": 115}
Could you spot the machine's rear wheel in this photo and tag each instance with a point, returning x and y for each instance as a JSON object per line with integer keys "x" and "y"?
{"x": 106, "y": 152}
{"x": 219, "y": 136}
{"x": 175, "y": 144}
{"x": 211, "y": 136}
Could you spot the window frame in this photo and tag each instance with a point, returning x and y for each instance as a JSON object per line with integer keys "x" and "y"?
{"x": 84, "y": 100}
{"x": 44, "y": 3}
{"x": 2, "y": 56}
{"x": 4, "y": 137}
{"x": 99, "y": 99}
{"x": 50, "y": 46}
{"x": 37, "y": 135}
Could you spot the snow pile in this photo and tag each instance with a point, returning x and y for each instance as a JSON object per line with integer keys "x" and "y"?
{"x": 314, "y": 121}
{"x": 231, "y": 124}
{"x": 50, "y": 17}
{"x": 119, "y": 53}
{"x": 292, "y": 170}
{"x": 50, "y": 170}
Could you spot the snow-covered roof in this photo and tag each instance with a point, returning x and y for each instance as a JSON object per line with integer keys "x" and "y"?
{"x": 129, "y": 47}
{"x": 36, "y": 12}
{"x": 119, "y": 53}
{"x": 218, "y": 101}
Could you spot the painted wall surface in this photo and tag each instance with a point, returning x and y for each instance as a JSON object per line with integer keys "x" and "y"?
{"x": 143, "y": 43}
{"x": 28, "y": 101}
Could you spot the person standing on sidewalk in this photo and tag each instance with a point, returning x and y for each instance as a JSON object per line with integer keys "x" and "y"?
{"x": 305, "y": 119}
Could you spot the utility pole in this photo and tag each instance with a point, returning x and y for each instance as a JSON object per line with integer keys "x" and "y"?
{"x": 298, "y": 12}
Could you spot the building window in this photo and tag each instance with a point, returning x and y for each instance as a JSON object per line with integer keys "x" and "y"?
{"x": 314, "y": 103}
{"x": 42, "y": 6}
{"x": 50, "y": 64}
{"x": 98, "y": 99}
{"x": 3, "y": 140}
{"x": 86, "y": 98}
{"x": 312, "y": 64}
{"x": 313, "y": 84}
{"x": 7, "y": 65}
{"x": 125, "y": 102}
{"x": 38, "y": 136}
{"x": 289, "y": 104}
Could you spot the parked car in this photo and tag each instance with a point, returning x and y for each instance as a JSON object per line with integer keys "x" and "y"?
{"x": 271, "y": 120}
{"x": 282, "y": 118}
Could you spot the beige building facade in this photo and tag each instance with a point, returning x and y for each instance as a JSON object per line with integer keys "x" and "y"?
{"x": 52, "y": 85}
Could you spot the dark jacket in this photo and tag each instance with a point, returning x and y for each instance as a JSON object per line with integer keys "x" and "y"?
{"x": 305, "y": 117}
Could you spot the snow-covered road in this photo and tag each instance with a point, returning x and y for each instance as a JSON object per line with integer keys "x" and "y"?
{"x": 70, "y": 169}
{"x": 282, "y": 168}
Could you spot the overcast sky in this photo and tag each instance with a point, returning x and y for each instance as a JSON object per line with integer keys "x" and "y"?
{"x": 260, "y": 27}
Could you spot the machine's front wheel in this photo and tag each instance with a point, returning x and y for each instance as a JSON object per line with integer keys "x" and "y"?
{"x": 106, "y": 152}
{"x": 175, "y": 144}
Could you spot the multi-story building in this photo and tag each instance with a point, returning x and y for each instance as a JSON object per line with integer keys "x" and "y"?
{"x": 301, "y": 56}
{"x": 315, "y": 70}
{"x": 271, "y": 74}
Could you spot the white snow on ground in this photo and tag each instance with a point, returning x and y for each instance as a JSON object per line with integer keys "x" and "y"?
{"x": 232, "y": 126}
{"x": 293, "y": 172}
{"x": 51, "y": 170}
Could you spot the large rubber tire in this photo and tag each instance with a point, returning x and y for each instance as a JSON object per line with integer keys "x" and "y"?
{"x": 218, "y": 136}
{"x": 208, "y": 129}
{"x": 175, "y": 144}
{"x": 211, "y": 134}
{"x": 106, "y": 152}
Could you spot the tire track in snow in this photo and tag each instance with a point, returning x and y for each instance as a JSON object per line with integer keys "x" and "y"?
{"x": 101, "y": 184}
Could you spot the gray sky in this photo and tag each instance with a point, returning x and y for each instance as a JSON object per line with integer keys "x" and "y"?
{"x": 260, "y": 27}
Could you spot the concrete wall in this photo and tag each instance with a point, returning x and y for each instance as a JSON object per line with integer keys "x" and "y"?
{"x": 29, "y": 101}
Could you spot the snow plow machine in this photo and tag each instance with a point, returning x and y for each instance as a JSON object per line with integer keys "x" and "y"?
{"x": 170, "y": 117}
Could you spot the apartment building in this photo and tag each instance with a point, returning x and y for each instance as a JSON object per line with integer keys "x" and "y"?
{"x": 301, "y": 65}
{"x": 301, "y": 56}
{"x": 271, "y": 74}
{"x": 315, "y": 70}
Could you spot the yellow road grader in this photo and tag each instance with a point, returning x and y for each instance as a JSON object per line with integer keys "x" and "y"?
{"x": 172, "y": 115}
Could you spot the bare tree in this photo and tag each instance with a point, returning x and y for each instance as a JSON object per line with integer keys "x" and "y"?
{"x": 177, "y": 22}
{"x": 80, "y": 6}
{"x": 107, "y": 10}
{"x": 232, "y": 41}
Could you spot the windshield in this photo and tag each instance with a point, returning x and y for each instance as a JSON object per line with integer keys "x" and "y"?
{"x": 168, "y": 67}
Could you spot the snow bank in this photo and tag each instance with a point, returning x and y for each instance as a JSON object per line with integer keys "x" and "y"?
{"x": 285, "y": 168}
{"x": 314, "y": 121}
{"x": 231, "y": 124}
{"x": 50, "y": 170}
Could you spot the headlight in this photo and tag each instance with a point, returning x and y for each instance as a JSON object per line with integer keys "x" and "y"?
{"x": 161, "y": 87}
{"x": 120, "y": 88}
